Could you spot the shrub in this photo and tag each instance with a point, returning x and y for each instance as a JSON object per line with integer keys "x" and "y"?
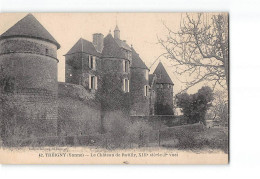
{"x": 195, "y": 106}
{"x": 140, "y": 133}
{"x": 121, "y": 133}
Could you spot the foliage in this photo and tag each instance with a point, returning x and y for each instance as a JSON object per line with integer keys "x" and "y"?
{"x": 219, "y": 110}
{"x": 195, "y": 137}
{"x": 122, "y": 133}
{"x": 164, "y": 109}
{"x": 111, "y": 95}
{"x": 195, "y": 106}
{"x": 199, "y": 49}
{"x": 116, "y": 127}
{"x": 140, "y": 132}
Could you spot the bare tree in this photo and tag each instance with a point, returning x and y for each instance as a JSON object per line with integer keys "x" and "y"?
{"x": 219, "y": 108}
{"x": 199, "y": 48}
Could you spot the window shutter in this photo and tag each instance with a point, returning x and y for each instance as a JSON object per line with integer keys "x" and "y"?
{"x": 89, "y": 61}
{"x": 94, "y": 63}
{"x": 128, "y": 86}
{"x": 123, "y": 84}
{"x": 89, "y": 81}
{"x": 95, "y": 82}
{"x": 127, "y": 66}
{"x": 123, "y": 66}
{"x": 146, "y": 74}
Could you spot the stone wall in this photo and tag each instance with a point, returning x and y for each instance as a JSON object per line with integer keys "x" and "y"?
{"x": 112, "y": 94}
{"x": 28, "y": 87}
{"x": 164, "y": 99}
{"x": 79, "y": 112}
{"x": 159, "y": 121}
{"x": 139, "y": 102}
{"x": 77, "y": 69}
{"x": 27, "y": 45}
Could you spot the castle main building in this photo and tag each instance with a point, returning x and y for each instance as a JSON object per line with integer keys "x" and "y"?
{"x": 101, "y": 77}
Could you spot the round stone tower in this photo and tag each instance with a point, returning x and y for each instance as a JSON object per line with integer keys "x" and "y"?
{"x": 116, "y": 60}
{"x": 28, "y": 61}
{"x": 139, "y": 86}
{"x": 164, "y": 92}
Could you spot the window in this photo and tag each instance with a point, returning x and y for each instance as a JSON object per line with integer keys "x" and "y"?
{"x": 46, "y": 51}
{"x": 9, "y": 85}
{"x": 92, "y": 62}
{"x": 92, "y": 82}
{"x": 169, "y": 86}
{"x": 146, "y": 88}
{"x": 125, "y": 85}
{"x": 129, "y": 55}
{"x": 159, "y": 76}
{"x": 161, "y": 85}
{"x": 70, "y": 74}
{"x": 146, "y": 74}
{"x": 125, "y": 66}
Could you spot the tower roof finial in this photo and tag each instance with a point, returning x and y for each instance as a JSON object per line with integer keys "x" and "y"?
{"x": 116, "y": 28}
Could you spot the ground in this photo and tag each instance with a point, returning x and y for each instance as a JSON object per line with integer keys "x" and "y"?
{"x": 195, "y": 137}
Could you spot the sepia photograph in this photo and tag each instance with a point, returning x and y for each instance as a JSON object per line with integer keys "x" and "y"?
{"x": 114, "y": 88}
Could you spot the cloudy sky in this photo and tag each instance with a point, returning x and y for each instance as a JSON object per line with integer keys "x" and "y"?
{"x": 139, "y": 29}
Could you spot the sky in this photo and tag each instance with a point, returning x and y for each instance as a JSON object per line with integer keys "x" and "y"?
{"x": 141, "y": 30}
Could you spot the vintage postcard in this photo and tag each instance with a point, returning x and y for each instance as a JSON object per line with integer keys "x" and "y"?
{"x": 114, "y": 88}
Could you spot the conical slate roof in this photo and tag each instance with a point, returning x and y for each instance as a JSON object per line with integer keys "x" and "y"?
{"x": 137, "y": 62}
{"x": 30, "y": 27}
{"x": 162, "y": 75}
{"x": 111, "y": 48}
{"x": 116, "y": 28}
{"x": 123, "y": 44}
{"x": 85, "y": 46}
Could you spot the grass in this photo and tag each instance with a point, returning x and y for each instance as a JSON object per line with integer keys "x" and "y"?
{"x": 195, "y": 137}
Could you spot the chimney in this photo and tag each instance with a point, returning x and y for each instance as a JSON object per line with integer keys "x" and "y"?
{"x": 117, "y": 33}
{"x": 98, "y": 41}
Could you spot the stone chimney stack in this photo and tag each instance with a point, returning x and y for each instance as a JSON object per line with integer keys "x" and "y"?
{"x": 117, "y": 33}
{"x": 98, "y": 41}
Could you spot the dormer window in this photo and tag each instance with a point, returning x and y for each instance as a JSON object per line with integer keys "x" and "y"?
{"x": 92, "y": 62}
{"x": 125, "y": 85}
{"x": 46, "y": 51}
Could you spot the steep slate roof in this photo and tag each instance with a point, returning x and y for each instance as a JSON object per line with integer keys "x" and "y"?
{"x": 137, "y": 62}
{"x": 111, "y": 48}
{"x": 116, "y": 28}
{"x": 123, "y": 44}
{"x": 85, "y": 46}
{"x": 30, "y": 27}
{"x": 162, "y": 75}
